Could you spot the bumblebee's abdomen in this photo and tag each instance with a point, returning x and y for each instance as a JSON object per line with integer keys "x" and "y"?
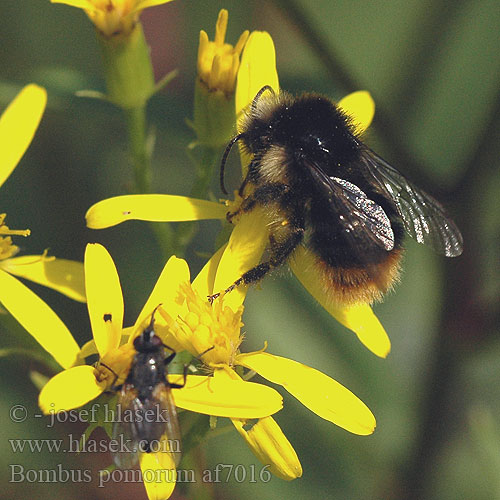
{"x": 353, "y": 272}
{"x": 359, "y": 285}
{"x": 330, "y": 242}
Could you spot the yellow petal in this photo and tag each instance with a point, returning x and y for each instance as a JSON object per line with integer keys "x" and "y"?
{"x": 315, "y": 390}
{"x": 69, "y": 389}
{"x": 152, "y": 207}
{"x": 165, "y": 292}
{"x": 223, "y": 396}
{"x": 88, "y": 349}
{"x": 18, "y": 125}
{"x": 80, "y": 4}
{"x": 271, "y": 447}
{"x": 257, "y": 69}
{"x": 104, "y": 298}
{"x": 243, "y": 251}
{"x": 65, "y": 276}
{"x": 144, "y": 4}
{"x": 38, "y": 319}
{"x": 360, "y": 106}
{"x": 358, "y": 318}
{"x": 159, "y": 475}
{"x": 204, "y": 282}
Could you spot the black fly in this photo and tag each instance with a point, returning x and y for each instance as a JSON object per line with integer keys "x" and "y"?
{"x": 146, "y": 417}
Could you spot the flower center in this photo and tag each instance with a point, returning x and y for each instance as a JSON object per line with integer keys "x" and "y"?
{"x": 113, "y": 368}
{"x": 113, "y": 17}
{"x": 211, "y": 331}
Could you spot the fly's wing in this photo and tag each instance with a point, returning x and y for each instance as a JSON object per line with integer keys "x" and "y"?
{"x": 125, "y": 449}
{"x": 170, "y": 440}
{"x": 148, "y": 426}
{"x": 364, "y": 222}
{"x": 423, "y": 217}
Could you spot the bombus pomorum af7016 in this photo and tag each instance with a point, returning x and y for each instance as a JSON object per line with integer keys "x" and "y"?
{"x": 320, "y": 186}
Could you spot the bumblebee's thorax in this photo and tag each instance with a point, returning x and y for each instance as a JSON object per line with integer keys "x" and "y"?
{"x": 309, "y": 127}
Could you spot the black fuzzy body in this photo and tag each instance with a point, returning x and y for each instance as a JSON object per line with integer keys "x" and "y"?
{"x": 312, "y": 128}
{"x": 319, "y": 186}
{"x": 285, "y": 136}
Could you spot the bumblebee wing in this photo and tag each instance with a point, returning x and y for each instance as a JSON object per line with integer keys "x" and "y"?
{"x": 125, "y": 445}
{"x": 364, "y": 221}
{"x": 423, "y": 217}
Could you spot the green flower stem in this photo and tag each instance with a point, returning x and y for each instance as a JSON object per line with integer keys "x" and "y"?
{"x": 130, "y": 84}
{"x": 205, "y": 171}
{"x": 141, "y": 161}
{"x": 127, "y": 69}
{"x": 205, "y": 166}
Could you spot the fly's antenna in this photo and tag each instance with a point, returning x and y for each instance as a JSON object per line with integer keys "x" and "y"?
{"x": 152, "y": 322}
{"x": 259, "y": 95}
{"x": 224, "y": 159}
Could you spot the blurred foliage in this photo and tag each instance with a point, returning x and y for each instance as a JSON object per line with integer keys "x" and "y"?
{"x": 434, "y": 71}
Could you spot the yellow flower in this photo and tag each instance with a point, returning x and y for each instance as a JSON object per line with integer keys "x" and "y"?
{"x": 218, "y": 61}
{"x": 218, "y": 64}
{"x": 78, "y": 384}
{"x": 250, "y": 235}
{"x": 18, "y": 125}
{"x": 113, "y": 17}
{"x": 213, "y": 334}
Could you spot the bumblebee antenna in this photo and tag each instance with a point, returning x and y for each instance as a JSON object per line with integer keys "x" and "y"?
{"x": 224, "y": 159}
{"x": 259, "y": 94}
{"x": 240, "y": 136}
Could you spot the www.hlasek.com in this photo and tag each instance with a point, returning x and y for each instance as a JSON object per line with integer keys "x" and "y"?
{"x": 221, "y": 473}
{"x": 83, "y": 444}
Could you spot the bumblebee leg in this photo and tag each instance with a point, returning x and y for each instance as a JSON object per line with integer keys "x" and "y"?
{"x": 279, "y": 254}
{"x": 261, "y": 196}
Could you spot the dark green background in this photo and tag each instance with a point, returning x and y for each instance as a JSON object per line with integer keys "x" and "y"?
{"x": 433, "y": 68}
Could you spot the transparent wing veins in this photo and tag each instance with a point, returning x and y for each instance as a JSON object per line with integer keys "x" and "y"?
{"x": 423, "y": 217}
{"x": 155, "y": 419}
{"x": 364, "y": 221}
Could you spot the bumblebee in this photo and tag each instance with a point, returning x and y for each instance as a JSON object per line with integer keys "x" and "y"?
{"x": 320, "y": 186}
{"x": 146, "y": 413}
